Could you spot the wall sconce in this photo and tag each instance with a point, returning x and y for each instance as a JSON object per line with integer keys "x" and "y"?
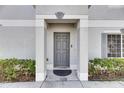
{"x": 59, "y": 15}
{"x": 34, "y": 6}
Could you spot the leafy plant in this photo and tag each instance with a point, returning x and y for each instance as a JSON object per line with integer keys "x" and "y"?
{"x": 17, "y": 69}
{"x": 106, "y": 69}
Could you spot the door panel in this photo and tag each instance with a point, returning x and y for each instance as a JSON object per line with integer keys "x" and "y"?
{"x": 61, "y": 49}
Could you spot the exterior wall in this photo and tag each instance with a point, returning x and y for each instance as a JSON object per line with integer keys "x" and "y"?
{"x": 94, "y": 43}
{"x": 17, "y": 42}
{"x": 20, "y": 41}
{"x": 17, "y": 12}
{"x": 97, "y": 31}
{"x": 67, "y": 9}
{"x": 50, "y": 43}
{"x": 96, "y": 46}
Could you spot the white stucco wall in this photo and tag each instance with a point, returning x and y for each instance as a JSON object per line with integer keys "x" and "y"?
{"x": 50, "y": 43}
{"x": 67, "y": 9}
{"x": 17, "y": 42}
{"x": 95, "y": 42}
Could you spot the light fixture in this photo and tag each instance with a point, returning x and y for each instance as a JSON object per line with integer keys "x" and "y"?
{"x": 59, "y": 15}
{"x": 89, "y": 6}
{"x": 34, "y": 6}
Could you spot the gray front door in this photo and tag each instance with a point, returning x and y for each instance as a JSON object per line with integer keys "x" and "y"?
{"x": 61, "y": 49}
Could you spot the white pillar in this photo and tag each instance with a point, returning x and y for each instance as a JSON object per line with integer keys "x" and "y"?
{"x": 83, "y": 53}
{"x": 40, "y": 62}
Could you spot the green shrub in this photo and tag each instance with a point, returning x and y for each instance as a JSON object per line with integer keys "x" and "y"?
{"x": 106, "y": 69}
{"x": 17, "y": 69}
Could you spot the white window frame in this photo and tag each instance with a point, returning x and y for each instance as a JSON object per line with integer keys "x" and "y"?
{"x": 121, "y": 44}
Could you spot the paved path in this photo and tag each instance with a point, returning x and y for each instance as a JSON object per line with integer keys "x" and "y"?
{"x": 66, "y": 84}
{"x": 62, "y": 84}
{"x": 54, "y": 81}
{"x": 21, "y": 85}
{"x": 103, "y": 84}
{"x": 71, "y": 81}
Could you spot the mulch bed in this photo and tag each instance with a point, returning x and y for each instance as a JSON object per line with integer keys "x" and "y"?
{"x": 107, "y": 76}
{"x": 21, "y": 78}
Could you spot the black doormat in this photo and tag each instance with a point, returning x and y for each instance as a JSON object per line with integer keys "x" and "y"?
{"x": 62, "y": 72}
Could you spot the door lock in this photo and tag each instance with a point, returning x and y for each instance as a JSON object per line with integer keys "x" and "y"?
{"x": 47, "y": 59}
{"x": 71, "y": 45}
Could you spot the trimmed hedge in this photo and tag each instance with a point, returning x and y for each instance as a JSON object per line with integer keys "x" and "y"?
{"x": 13, "y": 70}
{"x": 106, "y": 69}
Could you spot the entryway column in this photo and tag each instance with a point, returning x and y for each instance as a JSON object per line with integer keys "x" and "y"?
{"x": 83, "y": 53}
{"x": 40, "y": 40}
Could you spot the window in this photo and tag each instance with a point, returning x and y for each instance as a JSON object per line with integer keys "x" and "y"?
{"x": 114, "y": 45}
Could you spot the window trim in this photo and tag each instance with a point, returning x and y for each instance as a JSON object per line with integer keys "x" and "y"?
{"x": 121, "y": 44}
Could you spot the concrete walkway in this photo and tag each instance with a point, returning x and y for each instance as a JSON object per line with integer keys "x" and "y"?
{"x": 21, "y": 85}
{"x": 103, "y": 84}
{"x": 70, "y": 81}
{"x": 66, "y": 84}
{"x": 53, "y": 80}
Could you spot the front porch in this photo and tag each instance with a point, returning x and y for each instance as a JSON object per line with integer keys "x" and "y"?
{"x": 46, "y": 26}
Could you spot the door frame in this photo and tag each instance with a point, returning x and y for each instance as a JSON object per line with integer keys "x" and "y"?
{"x": 54, "y": 49}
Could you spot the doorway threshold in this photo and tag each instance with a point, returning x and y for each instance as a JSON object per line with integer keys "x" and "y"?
{"x": 61, "y": 68}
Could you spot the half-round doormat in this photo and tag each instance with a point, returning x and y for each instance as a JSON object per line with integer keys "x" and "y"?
{"x": 62, "y": 72}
